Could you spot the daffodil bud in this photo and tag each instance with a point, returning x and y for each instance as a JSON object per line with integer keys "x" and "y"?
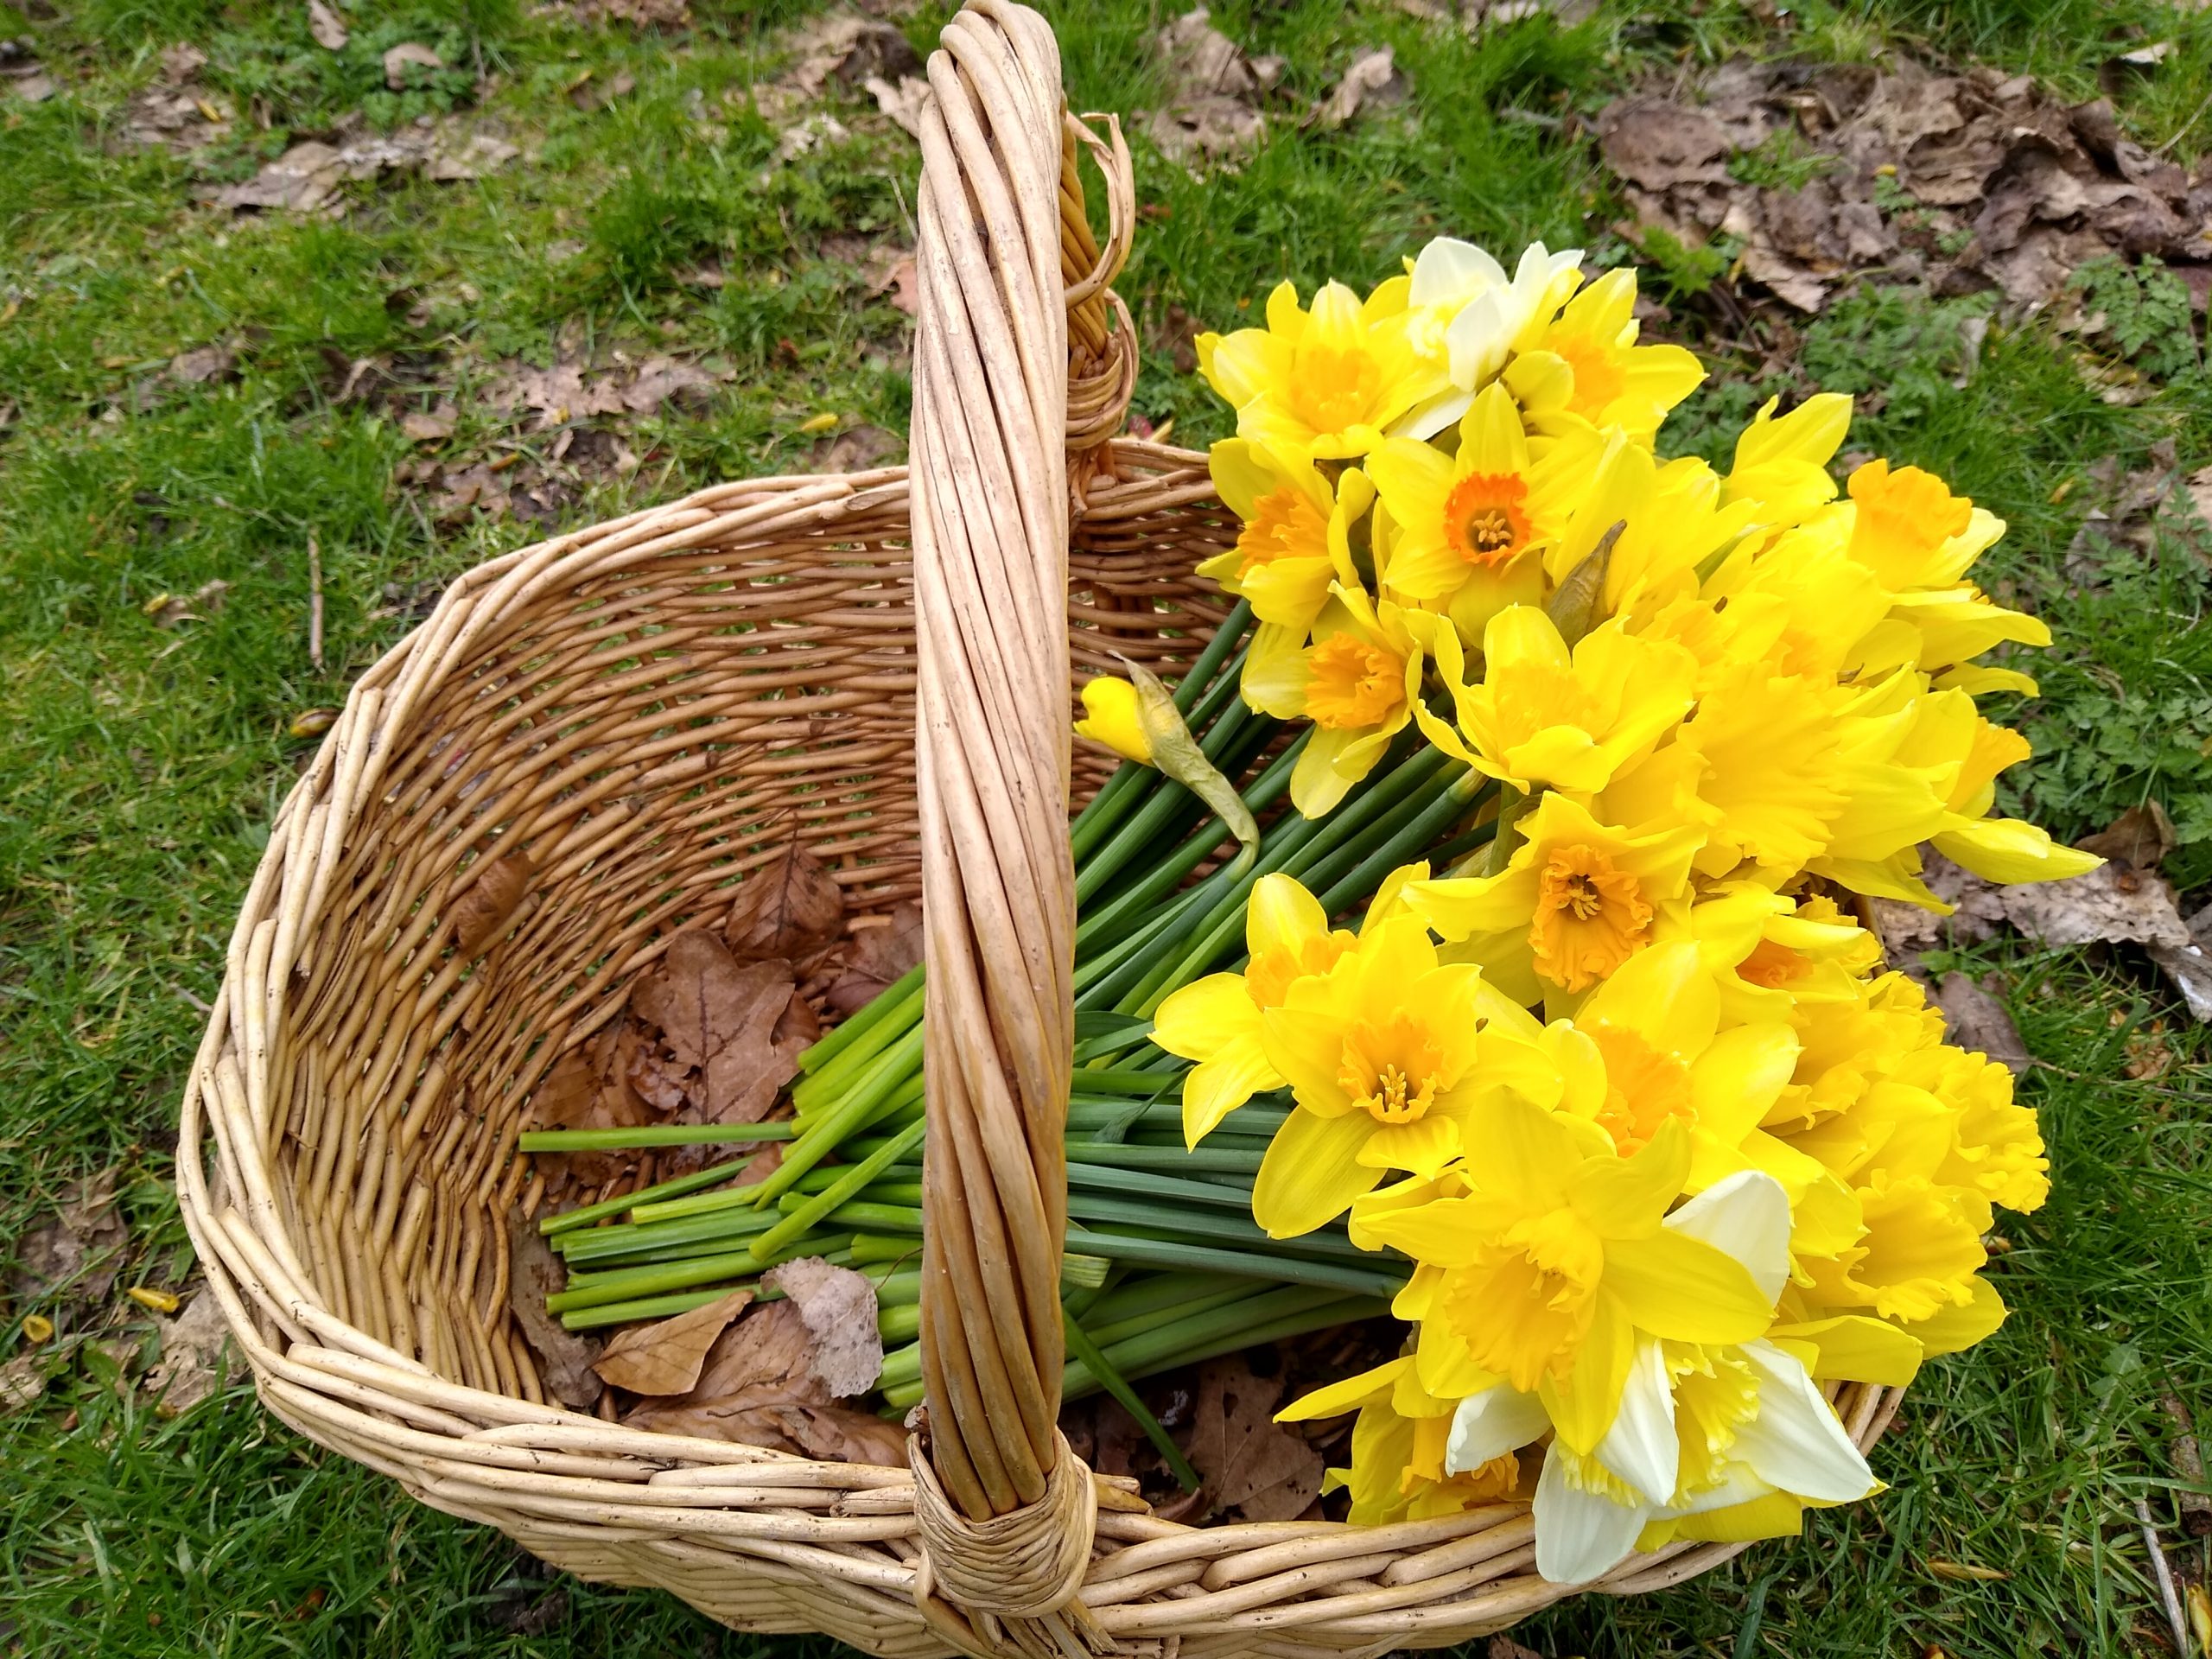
{"x": 1111, "y": 717}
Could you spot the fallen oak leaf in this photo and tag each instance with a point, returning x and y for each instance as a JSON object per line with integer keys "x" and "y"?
{"x": 76, "y": 1254}
{"x": 491, "y": 899}
{"x": 408, "y": 55}
{"x": 665, "y": 1357}
{"x": 761, "y": 1386}
{"x": 199, "y": 1356}
{"x": 564, "y": 1359}
{"x": 789, "y": 909}
{"x": 2141, "y": 837}
{"x": 1979, "y": 1021}
{"x": 877, "y": 955}
{"x": 326, "y": 26}
{"x": 2110, "y": 904}
{"x": 1249, "y": 1462}
{"x": 22, "y": 1383}
{"x": 1371, "y": 82}
{"x": 839, "y": 1307}
{"x": 728, "y": 1022}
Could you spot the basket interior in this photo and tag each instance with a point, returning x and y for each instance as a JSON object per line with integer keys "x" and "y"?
{"x": 647, "y": 732}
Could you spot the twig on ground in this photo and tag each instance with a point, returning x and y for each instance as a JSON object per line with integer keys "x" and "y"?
{"x": 2189, "y": 1463}
{"x": 314, "y": 602}
{"x": 2166, "y": 1592}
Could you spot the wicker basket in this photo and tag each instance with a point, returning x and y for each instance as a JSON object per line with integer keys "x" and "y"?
{"x": 650, "y": 708}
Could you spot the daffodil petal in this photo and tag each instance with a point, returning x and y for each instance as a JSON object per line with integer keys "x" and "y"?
{"x": 1310, "y": 1173}
{"x": 1676, "y": 1286}
{"x": 1747, "y": 1215}
{"x": 1489, "y": 1424}
{"x": 1794, "y": 1441}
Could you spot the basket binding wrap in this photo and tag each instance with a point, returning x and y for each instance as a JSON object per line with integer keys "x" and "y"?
{"x": 649, "y": 706}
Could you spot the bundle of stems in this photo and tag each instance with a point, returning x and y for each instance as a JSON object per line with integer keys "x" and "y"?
{"x": 1164, "y": 1265}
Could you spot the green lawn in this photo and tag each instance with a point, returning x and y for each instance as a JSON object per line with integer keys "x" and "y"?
{"x": 649, "y": 213}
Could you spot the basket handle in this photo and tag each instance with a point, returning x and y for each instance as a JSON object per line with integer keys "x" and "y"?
{"x": 1005, "y": 253}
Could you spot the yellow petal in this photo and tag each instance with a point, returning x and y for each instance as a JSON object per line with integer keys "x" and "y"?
{"x": 2006, "y": 851}
{"x": 1205, "y": 1016}
{"x": 1312, "y": 1172}
{"x": 1422, "y": 1147}
{"x": 1111, "y": 718}
{"x": 1675, "y": 1288}
{"x": 1854, "y": 1347}
{"x": 1583, "y": 1401}
{"x": 1217, "y": 1087}
{"x": 1350, "y": 1394}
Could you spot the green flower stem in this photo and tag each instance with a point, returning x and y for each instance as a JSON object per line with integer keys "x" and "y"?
{"x": 1352, "y": 825}
{"x": 570, "y": 1220}
{"x": 1128, "y": 908}
{"x": 861, "y": 1215}
{"x": 871, "y": 1247}
{"x": 897, "y": 1315}
{"x": 605, "y": 1243}
{"x": 1156, "y": 820}
{"x": 1454, "y": 803}
{"x": 1101, "y": 1184}
{"x": 1086, "y": 1352}
{"x": 862, "y": 1065}
{"x": 1172, "y": 1221}
{"x": 1291, "y": 1309}
{"x": 1096, "y": 823}
{"x": 892, "y": 998}
{"x": 1109, "y": 1329}
{"x": 656, "y": 1134}
{"x": 895, "y": 1072}
{"x": 1113, "y": 1162}
{"x": 1224, "y": 1331}
{"x": 845, "y": 1186}
{"x": 627, "y": 1284}
{"x": 1276, "y": 1269}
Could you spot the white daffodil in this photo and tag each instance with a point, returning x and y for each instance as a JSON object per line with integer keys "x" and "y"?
{"x": 1465, "y": 307}
{"x": 1697, "y": 1429}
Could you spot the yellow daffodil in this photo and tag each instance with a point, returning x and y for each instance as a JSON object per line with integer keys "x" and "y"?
{"x": 1217, "y": 1020}
{"x": 1544, "y": 715}
{"x": 1324, "y": 385}
{"x": 1768, "y": 955}
{"x": 1398, "y": 1448}
{"x": 1379, "y": 1056}
{"x": 1576, "y": 899}
{"x": 1782, "y": 465}
{"x": 1587, "y": 366}
{"x": 1111, "y": 718}
{"x": 1297, "y": 535}
{"x": 1911, "y": 531}
{"x": 1465, "y": 310}
{"x": 1359, "y": 681}
{"x": 1471, "y": 528}
{"x": 1557, "y": 1254}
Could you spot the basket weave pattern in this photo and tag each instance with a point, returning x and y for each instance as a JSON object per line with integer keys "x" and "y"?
{"x": 871, "y": 665}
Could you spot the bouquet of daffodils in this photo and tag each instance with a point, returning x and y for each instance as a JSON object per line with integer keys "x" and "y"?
{"x": 1607, "y": 1096}
{"x": 1668, "y": 1151}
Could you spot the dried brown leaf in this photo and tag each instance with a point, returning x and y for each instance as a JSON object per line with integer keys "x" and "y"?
{"x": 483, "y": 910}
{"x": 2109, "y": 906}
{"x": 839, "y": 1307}
{"x": 902, "y": 101}
{"x": 877, "y": 955}
{"x": 760, "y": 1387}
{"x": 1251, "y": 1465}
{"x": 658, "y": 380}
{"x": 1657, "y": 143}
{"x": 1504, "y": 1647}
{"x": 1373, "y": 82}
{"x": 789, "y": 909}
{"x": 198, "y": 1355}
{"x": 419, "y": 426}
{"x": 407, "y": 55}
{"x": 22, "y": 1383}
{"x": 2141, "y": 837}
{"x": 728, "y": 1023}
{"x": 567, "y": 1095}
{"x": 904, "y": 286}
{"x": 667, "y": 1356}
{"x": 207, "y": 363}
{"x": 326, "y": 26}
{"x": 564, "y": 1359}
{"x": 76, "y": 1255}
{"x": 1208, "y": 118}
{"x": 1979, "y": 1021}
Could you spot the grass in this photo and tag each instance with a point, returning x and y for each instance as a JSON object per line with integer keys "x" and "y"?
{"x": 140, "y": 766}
